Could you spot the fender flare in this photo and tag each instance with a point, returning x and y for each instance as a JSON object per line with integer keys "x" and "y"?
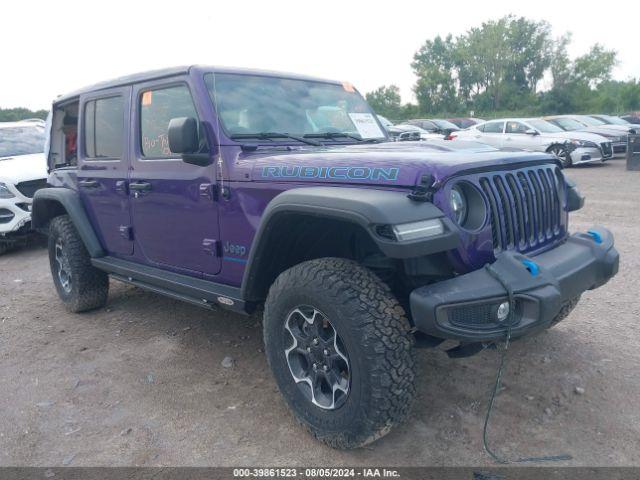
{"x": 52, "y": 202}
{"x": 366, "y": 208}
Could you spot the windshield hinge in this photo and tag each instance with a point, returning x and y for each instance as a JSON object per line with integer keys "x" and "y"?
{"x": 425, "y": 190}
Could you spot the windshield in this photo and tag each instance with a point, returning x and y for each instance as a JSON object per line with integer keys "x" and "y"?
{"x": 568, "y": 124}
{"x": 253, "y": 104}
{"x": 544, "y": 127}
{"x": 613, "y": 120}
{"x": 385, "y": 121}
{"x": 16, "y": 141}
{"x": 592, "y": 122}
{"x": 445, "y": 124}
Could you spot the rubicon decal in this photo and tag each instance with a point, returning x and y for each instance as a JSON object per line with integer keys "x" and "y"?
{"x": 310, "y": 172}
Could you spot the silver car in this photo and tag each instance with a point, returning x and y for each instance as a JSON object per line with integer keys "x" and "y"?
{"x": 585, "y": 123}
{"x": 572, "y": 148}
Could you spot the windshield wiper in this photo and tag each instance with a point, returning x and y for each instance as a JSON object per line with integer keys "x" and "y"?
{"x": 272, "y": 135}
{"x": 332, "y": 135}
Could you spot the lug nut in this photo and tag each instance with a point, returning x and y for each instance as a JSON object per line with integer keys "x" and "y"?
{"x": 315, "y": 341}
{"x": 325, "y": 368}
{"x": 309, "y": 349}
{"x": 315, "y": 366}
{"x": 325, "y": 351}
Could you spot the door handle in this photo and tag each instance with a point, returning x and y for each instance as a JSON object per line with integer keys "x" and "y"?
{"x": 89, "y": 183}
{"x": 140, "y": 186}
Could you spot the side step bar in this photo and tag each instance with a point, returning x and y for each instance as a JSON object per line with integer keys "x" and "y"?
{"x": 181, "y": 287}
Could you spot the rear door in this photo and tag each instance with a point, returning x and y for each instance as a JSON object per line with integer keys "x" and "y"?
{"x": 491, "y": 133}
{"x": 103, "y": 164}
{"x": 174, "y": 211}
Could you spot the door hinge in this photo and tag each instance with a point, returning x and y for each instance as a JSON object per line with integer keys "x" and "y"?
{"x": 126, "y": 232}
{"x": 211, "y": 247}
{"x": 208, "y": 191}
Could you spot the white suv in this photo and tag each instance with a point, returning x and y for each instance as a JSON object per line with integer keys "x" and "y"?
{"x": 23, "y": 170}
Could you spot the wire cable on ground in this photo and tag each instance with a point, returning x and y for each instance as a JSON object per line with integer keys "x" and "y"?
{"x": 496, "y": 386}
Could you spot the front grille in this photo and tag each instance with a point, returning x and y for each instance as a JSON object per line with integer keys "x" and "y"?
{"x": 6, "y": 215}
{"x": 607, "y": 150}
{"x": 28, "y": 189}
{"x": 525, "y": 207}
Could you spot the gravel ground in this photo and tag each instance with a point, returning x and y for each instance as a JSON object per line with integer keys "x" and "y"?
{"x": 142, "y": 382}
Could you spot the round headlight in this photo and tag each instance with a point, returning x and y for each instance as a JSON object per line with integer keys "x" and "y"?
{"x": 458, "y": 204}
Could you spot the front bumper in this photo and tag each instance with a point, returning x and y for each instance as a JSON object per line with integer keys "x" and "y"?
{"x": 15, "y": 213}
{"x": 464, "y": 308}
{"x": 586, "y": 155}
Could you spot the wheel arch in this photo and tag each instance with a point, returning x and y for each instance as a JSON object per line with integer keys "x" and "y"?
{"x": 306, "y": 223}
{"x": 49, "y": 203}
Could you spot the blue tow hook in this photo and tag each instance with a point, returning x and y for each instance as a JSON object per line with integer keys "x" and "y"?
{"x": 595, "y": 235}
{"x": 532, "y": 266}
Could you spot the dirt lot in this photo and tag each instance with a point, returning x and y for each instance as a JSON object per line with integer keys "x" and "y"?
{"x": 142, "y": 382}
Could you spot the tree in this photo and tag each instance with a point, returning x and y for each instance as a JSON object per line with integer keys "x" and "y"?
{"x": 434, "y": 65}
{"x": 386, "y": 101}
{"x": 497, "y": 65}
{"x": 594, "y": 67}
{"x": 16, "y": 114}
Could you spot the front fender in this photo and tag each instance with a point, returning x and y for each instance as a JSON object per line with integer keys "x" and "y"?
{"x": 366, "y": 208}
{"x": 52, "y": 202}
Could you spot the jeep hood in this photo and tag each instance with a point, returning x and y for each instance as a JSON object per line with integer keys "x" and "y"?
{"x": 399, "y": 164}
{"x": 22, "y": 168}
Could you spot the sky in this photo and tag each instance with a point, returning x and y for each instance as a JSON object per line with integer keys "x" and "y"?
{"x": 53, "y": 47}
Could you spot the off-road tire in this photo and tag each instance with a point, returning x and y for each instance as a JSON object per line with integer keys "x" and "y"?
{"x": 376, "y": 335}
{"x": 89, "y": 286}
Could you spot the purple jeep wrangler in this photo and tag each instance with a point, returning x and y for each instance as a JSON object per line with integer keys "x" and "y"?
{"x": 246, "y": 190}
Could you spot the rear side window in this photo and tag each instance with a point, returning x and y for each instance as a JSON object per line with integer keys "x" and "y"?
{"x": 493, "y": 127}
{"x": 104, "y": 127}
{"x": 157, "y": 108}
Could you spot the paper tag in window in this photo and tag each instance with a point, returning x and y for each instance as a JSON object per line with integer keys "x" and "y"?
{"x": 366, "y": 125}
{"x": 146, "y": 99}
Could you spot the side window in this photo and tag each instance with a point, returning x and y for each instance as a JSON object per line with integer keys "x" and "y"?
{"x": 104, "y": 128}
{"x": 493, "y": 127}
{"x": 516, "y": 127}
{"x": 157, "y": 108}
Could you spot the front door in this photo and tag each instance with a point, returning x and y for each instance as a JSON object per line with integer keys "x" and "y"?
{"x": 175, "y": 215}
{"x": 516, "y": 136}
{"x": 103, "y": 164}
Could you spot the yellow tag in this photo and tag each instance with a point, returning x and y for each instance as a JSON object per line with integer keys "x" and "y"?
{"x": 146, "y": 99}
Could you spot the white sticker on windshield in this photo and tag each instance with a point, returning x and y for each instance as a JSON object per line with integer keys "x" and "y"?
{"x": 366, "y": 125}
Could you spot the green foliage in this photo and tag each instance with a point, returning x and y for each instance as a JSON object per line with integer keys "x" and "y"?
{"x": 15, "y": 114}
{"x": 496, "y": 68}
{"x": 386, "y": 101}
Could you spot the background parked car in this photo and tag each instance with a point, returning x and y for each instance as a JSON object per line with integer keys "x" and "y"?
{"x": 23, "y": 170}
{"x": 431, "y": 125}
{"x": 633, "y": 117}
{"x": 537, "y": 135}
{"x": 573, "y": 123}
{"x": 404, "y": 132}
{"x": 465, "y": 122}
{"x": 613, "y": 120}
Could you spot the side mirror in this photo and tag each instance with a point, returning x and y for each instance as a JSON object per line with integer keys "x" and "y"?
{"x": 183, "y": 139}
{"x": 183, "y": 135}
{"x": 531, "y": 131}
